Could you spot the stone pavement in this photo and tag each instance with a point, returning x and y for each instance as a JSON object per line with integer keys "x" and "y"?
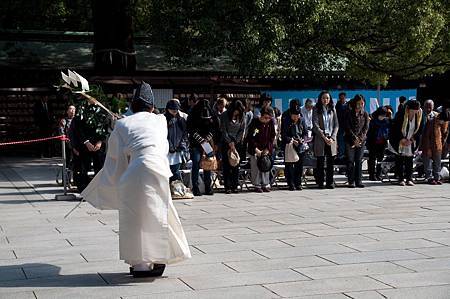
{"x": 383, "y": 241}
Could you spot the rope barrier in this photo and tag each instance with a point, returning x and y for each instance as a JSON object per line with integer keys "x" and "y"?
{"x": 60, "y": 137}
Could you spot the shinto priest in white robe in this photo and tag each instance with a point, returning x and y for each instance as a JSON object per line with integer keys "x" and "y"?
{"x": 135, "y": 181}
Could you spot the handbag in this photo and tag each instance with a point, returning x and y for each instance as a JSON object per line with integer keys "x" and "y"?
{"x": 233, "y": 158}
{"x": 179, "y": 191}
{"x": 290, "y": 153}
{"x": 264, "y": 163}
{"x": 208, "y": 163}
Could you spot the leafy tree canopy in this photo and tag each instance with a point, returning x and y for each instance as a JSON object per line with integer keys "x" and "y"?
{"x": 369, "y": 39}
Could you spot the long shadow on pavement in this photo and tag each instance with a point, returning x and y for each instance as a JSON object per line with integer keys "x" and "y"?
{"x": 38, "y": 275}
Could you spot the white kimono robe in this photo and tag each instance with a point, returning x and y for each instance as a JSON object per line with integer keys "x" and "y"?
{"x": 135, "y": 181}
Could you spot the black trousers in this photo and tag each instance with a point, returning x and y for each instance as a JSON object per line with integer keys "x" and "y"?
{"x": 230, "y": 174}
{"x": 376, "y": 154}
{"x": 321, "y": 167}
{"x": 82, "y": 165}
{"x": 404, "y": 167}
{"x": 294, "y": 172}
{"x": 354, "y": 166}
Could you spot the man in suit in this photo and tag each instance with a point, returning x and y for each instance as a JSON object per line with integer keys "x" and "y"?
{"x": 88, "y": 147}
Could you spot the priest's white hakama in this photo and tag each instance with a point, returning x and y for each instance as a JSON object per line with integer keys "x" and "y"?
{"x": 135, "y": 181}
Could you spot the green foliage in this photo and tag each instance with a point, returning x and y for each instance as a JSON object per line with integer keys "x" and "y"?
{"x": 63, "y": 15}
{"x": 97, "y": 119}
{"x": 369, "y": 39}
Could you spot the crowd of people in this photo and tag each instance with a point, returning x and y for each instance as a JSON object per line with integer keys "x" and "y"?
{"x": 146, "y": 151}
{"x": 233, "y": 133}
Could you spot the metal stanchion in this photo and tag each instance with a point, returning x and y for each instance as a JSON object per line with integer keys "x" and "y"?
{"x": 65, "y": 177}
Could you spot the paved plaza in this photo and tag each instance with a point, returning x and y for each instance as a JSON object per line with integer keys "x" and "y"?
{"x": 383, "y": 241}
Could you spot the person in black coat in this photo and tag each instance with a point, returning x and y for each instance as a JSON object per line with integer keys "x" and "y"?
{"x": 356, "y": 125}
{"x": 293, "y": 105}
{"x": 377, "y": 140}
{"x": 177, "y": 138}
{"x": 293, "y": 131}
{"x": 202, "y": 128}
{"x": 88, "y": 147}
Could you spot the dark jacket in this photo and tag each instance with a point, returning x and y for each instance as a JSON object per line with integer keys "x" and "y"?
{"x": 396, "y": 133}
{"x": 80, "y": 132}
{"x": 341, "y": 111}
{"x": 356, "y": 125}
{"x": 290, "y": 131}
{"x": 260, "y": 136}
{"x": 378, "y": 134}
{"x": 200, "y": 129}
{"x": 232, "y": 131}
{"x": 176, "y": 133}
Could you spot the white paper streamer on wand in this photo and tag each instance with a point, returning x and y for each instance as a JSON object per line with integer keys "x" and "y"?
{"x": 83, "y": 81}
{"x": 65, "y": 78}
{"x": 73, "y": 78}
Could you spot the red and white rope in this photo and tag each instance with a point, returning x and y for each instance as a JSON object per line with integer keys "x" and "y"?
{"x": 60, "y": 137}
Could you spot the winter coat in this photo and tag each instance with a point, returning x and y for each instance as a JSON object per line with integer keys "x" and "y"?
{"x": 319, "y": 132}
{"x": 434, "y": 135}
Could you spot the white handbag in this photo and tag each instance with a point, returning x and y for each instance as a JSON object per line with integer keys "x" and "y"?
{"x": 290, "y": 154}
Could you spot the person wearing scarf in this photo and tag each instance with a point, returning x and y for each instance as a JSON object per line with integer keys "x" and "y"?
{"x": 405, "y": 139}
{"x": 377, "y": 139}
{"x": 325, "y": 130}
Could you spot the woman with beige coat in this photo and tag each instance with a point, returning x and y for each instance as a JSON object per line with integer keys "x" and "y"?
{"x": 325, "y": 129}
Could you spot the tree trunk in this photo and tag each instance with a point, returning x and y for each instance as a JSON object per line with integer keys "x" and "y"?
{"x": 113, "y": 37}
